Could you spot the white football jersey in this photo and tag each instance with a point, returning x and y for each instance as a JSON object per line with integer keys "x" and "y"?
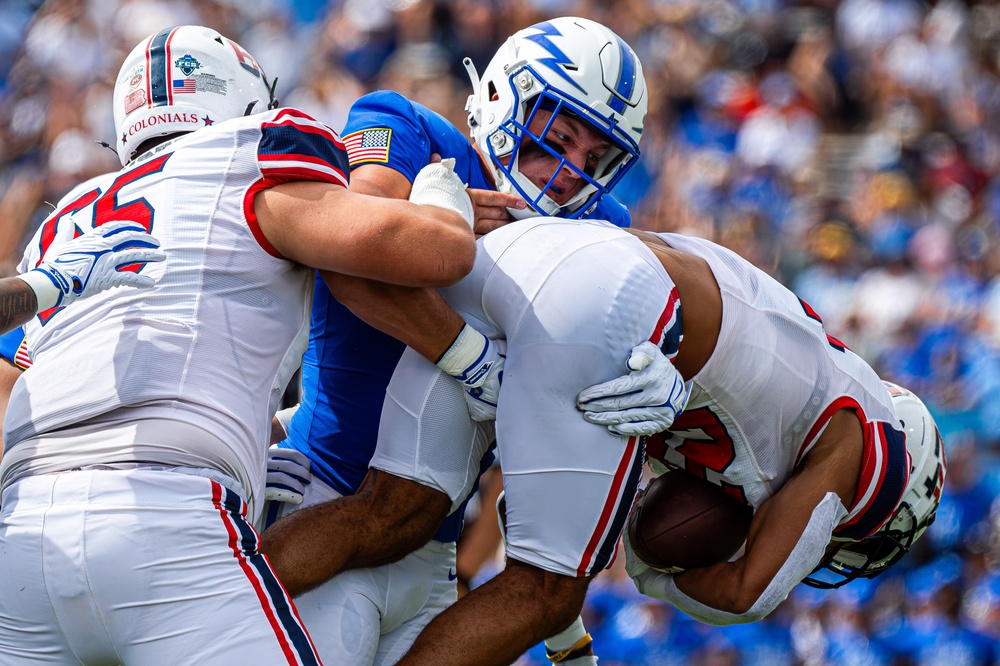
{"x": 213, "y": 344}
{"x": 770, "y": 387}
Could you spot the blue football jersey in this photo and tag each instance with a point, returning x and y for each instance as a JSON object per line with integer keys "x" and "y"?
{"x": 348, "y": 364}
{"x": 9, "y": 344}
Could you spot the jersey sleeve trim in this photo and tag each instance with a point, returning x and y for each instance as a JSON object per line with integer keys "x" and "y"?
{"x": 884, "y": 471}
{"x": 305, "y": 123}
{"x": 294, "y": 147}
{"x": 293, "y": 144}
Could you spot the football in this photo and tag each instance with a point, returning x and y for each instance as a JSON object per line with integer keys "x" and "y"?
{"x": 683, "y": 522}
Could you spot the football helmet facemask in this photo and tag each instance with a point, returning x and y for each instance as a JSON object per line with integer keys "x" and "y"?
{"x": 181, "y": 79}
{"x": 846, "y": 560}
{"x": 570, "y": 66}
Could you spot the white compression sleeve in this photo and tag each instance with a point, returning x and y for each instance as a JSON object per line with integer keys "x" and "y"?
{"x": 800, "y": 563}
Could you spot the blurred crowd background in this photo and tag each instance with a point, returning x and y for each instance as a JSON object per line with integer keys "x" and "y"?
{"x": 851, "y": 149}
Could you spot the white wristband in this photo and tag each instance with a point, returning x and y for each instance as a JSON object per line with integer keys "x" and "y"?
{"x": 467, "y": 348}
{"x": 284, "y": 417}
{"x": 437, "y": 184}
{"x": 47, "y": 293}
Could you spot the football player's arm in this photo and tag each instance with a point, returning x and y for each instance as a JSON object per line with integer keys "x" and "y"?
{"x": 417, "y": 316}
{"x": 420, "y": 317}
{"x": 788, "y": 536}
{"x": 18, "y": 304}
{"x": 329, "y": 227}
{"x": 8, "y": 375}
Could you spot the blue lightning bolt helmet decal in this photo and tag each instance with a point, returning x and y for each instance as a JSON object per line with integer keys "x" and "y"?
{"x": 558, "y": 57}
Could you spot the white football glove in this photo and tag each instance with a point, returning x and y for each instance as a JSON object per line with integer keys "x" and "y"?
{"x": 287, "y": 475}
{"x": 88, "y": 264}
{"x": 476, "y": 362}
{"x": 644, "y": 402}
{"x": 437, "y": 184}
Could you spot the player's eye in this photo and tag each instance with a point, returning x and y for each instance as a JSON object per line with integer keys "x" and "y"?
{"x": 557, "y": 148}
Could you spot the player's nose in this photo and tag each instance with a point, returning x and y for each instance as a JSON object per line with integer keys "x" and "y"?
{"x": 578, "y": 157}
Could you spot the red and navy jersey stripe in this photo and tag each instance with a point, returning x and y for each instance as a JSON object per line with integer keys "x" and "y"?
{"x": 885, "y": 472}
{"x": 669, "y": 331}
{"x": 601, "y": 548}
{"x": 275, "y": 602}
{"x": 294, "y": 147}
{"x": 812, "y": 314}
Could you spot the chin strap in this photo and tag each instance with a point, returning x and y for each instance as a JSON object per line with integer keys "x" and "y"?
{"x": 108, "y": 146}
{"x": 472, "y": 104}
{"x": 271, "y": 105}
{"x": 274, "y": 103}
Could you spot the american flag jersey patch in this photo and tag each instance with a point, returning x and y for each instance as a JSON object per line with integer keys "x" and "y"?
{"x": 370, "y": 145}
{"x": 21, "y": 358}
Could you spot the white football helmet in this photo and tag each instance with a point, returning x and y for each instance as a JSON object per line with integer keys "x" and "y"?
{"x": 566, "y": 65}
{"x": 916, "y": 510}
{"x": 181, "y": 79}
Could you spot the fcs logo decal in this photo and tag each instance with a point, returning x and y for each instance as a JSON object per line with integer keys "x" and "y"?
{"x": 558, "y": 57}
{"x": 187, "y": 64}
